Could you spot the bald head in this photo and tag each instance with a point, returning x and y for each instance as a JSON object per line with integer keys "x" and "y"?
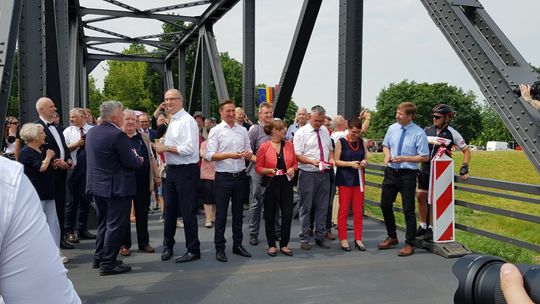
{"x": 174, "y": 101}
{"x": 340, "y": 124}
{"x": 45, "y": 108}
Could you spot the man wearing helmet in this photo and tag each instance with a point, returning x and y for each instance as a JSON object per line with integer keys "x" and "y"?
{"x": 440, "y": 134}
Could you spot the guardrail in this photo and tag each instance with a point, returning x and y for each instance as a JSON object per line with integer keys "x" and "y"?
{"x": 488, "y": 185}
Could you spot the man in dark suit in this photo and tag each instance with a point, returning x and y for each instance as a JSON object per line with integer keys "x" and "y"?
{"x": 55, "y": 141}
{"x": 110, "y": 179}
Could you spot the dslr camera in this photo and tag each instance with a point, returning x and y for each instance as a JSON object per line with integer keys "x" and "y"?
{"x": 535, "y": 90}
{"x": 479, "y": 280}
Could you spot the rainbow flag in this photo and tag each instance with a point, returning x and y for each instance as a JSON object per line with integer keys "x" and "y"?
{"x": 269, "y": 94}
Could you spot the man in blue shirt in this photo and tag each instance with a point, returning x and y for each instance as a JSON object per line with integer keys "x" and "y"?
{"x": 405, "y": 145}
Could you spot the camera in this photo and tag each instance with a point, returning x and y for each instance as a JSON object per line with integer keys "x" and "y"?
{"x": 479, "y": 280}
{"x": 535, "y": 90}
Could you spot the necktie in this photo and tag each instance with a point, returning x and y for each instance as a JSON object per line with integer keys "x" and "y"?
{"x": 50, "y": 124}
{"x": 319, "y": 142}
{"x": 81, "y": 130}
{"x": 401, "y": 138}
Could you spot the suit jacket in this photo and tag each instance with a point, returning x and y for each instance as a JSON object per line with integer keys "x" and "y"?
{"x": 267, "y": 158}
{"x": 110, "y": 163}
{"x": 51, "y": 142}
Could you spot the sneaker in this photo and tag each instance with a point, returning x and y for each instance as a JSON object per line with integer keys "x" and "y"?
{"x": 180, "y": 223}
{"x": 208, "y": 225}
{"x": 420, "y": 231}
{"x": 161, "y": 219}
{"x": 305, "y": 246}
{"x": 64, "y": 259}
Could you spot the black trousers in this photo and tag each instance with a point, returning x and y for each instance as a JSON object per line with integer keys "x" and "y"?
{"x": 113, "y": 222}
{"x": 399, "y": 181}
{"x": 180, "y": 195}
{"x": 60, "y": 177}
{"x": 141, "y": 203}
{"x": 278, "y": 196}
{"x": 234, "y": 188}
{"x": 77, "y": 209}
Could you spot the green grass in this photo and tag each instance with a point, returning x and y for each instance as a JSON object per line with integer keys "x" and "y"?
{"x": 501, "y": 165}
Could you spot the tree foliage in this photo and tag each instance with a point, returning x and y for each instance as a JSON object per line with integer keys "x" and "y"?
{"x": 95, "y": 98}
{"x": 425, "y": 96}
{"x": 492, "y": 127}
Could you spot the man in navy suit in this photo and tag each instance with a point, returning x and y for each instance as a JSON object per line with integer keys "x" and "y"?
{"x": 55, "y": 141}
{"x": 110, "y": 179}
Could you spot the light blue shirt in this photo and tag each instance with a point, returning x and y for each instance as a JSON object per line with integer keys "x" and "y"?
{"x": 414, "y": 143}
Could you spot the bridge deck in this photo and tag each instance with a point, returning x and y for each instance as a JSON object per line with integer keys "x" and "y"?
{"x": 315, "y": 276}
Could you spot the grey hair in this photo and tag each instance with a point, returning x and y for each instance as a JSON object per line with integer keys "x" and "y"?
{"x": 78, "y": 111}
{"x": 107, "y": 109}
{"x": 30, "y": 132}
{"x": 300, "y": 110}
{"x": 318, "y": 109}
{"x": 129, "y": 111}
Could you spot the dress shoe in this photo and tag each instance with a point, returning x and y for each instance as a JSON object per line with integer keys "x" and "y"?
{"x": 86, "y": 235}
{"x": 428, "y": 236}
{"x": 359, "y": 247}
{"x": 330, "y": 236}
{"x": 254, "y": 241}
{"x": 96, "y": 263}
{"x": 406, "y": 250}
{"x": 65, "y": 245}
{"x": 387, "y": 243}
{"x": 221, "y": 256}
{"x": 305, "y": 246}
{"x": 147, "y": 248}
{"x": 287, "y": 252}
{"x": 188, "y": 257}
{"x": 321, "y": 244}
{"x": 420, "y": 231}
{"x": 272, "y": 253}
{"x": 116, "y": 270}
{"x": 240, "y": 250}
{"x": 167, "y": 254}
{"x": 310, "y": 232}
{"x": 345, "y": 248}
{"x": 70, "y": 237}
{"x": 124, "y": 251}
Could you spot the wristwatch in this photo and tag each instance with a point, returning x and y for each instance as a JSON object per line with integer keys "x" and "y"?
{"x": 168, "y": 148}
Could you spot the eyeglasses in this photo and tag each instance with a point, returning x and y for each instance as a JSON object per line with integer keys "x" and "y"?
{"x": 14, "y": 123}
{"x": 437, "y": 117}
{"x": 172, "y": 98}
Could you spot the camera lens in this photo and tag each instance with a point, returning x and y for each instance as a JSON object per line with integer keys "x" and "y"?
{"x": 479, "y": 280}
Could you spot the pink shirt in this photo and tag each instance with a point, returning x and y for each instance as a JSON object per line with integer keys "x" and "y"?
{"x": 208, "y": 168}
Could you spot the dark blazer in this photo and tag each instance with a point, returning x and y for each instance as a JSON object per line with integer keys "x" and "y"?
{"x": 50, "y": 142}
{"x": 111, "y": 164}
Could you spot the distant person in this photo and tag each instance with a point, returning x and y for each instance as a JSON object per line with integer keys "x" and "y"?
{"x": 110, "y": 177}
{"x": 31, "y": 270}
{"x": 146, "y": 176}
{"x": 328, "y": 124}
{"x": 277, "y": 163}
{"x": 404, "y": 146}
{"x": 89, "y": 117}
{"x": 299, "y": 121}
{"x": 350, "y": 158}
{"x": 10, "y": 137}
{"x": 55, "y": 141}
{"x": 315, "y": 155}
{"x": 199, "y": 118}
{"x": 257, "y": 137}
{"x": 206, "y": 187}
{"x": 181, "y": 150}
{"x": 144, "y": 123}
{"x": 440, "y": 134}
{"x": 228, "y": 145}
{"x": 241, "y": 119}
{"x": 77, "y": 203}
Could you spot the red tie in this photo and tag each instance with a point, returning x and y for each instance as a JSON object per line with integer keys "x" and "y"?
{"x": 82, "y": 131}
{"x": 319, "y": 142}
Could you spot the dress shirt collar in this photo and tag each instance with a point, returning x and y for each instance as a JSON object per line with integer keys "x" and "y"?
{"x": 178, "y": 114}
{"x": 45, "y": 121}
{"x": 113, "y": 124}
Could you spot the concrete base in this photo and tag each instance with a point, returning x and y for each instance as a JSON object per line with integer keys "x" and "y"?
{"x": 447, "y": 250}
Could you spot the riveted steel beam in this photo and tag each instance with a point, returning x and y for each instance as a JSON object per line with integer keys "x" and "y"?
{"x": 137, "y": 14}
{"x": 248, "y": 76}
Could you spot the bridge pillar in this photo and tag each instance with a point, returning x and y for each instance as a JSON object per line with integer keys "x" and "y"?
{"x": 248, "y": 76}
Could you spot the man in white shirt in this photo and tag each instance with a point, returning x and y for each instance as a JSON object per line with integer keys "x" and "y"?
{"x": 228, "y": 145}
{"x": 76, "y": 201}
{"x": 181, "y": 148}
{"x": 31, "y": 270}
{"x": 315, "y": 154}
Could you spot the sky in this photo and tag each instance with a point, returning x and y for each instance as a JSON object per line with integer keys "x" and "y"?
{"x": 400, "y": 42}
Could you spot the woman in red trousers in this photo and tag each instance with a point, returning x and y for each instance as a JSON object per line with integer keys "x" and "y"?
{"x": 277, "y": 163}
{"x": 350, "y": 157}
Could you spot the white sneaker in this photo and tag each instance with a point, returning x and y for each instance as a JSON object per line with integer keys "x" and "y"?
{"x": 180, "y": 223}
{"x": 161, "y": 219}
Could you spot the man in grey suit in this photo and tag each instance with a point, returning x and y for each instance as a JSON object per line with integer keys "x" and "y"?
{"x": 110, "y": 177}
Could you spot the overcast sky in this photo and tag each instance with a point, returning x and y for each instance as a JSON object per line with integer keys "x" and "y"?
{"x": 400, "y": 42}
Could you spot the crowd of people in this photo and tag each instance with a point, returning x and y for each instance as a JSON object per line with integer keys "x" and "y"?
{"x": 189, "y": 164}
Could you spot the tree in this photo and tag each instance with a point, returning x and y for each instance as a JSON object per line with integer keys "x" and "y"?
{"x": 125, "y": 82}
{"x": 13, "y": 100}
{"x": 425, "y": 96}
{"x": 95, "y": 98}
{"x": 492, "y": 127}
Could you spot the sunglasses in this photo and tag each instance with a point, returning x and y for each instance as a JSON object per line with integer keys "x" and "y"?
{"x": 437, "y": 117}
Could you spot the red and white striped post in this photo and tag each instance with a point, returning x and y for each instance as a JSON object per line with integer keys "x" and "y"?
{"x": 441, "y": 197}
